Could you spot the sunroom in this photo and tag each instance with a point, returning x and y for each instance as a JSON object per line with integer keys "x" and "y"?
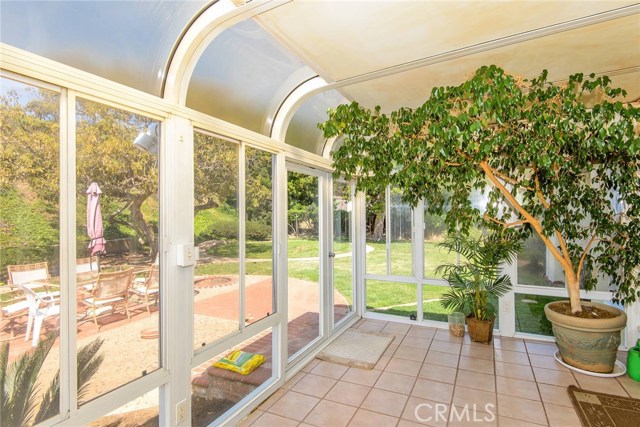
{"x": 167, "y": 199}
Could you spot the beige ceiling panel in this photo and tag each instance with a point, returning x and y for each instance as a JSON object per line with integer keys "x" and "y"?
{"x": 611, "y": 48}
{"x": 342, "y": 39}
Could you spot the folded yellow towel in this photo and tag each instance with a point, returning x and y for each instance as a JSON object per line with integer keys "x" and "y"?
{"x": 240, "y": 361}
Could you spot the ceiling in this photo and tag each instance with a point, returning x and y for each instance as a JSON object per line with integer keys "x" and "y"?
{"x": 392, "y": 53}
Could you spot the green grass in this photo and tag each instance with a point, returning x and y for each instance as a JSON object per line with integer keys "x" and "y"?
{"x": 401, "y": 258}
{"x": 530, "y": 317}
{"x": 297, "y": 248}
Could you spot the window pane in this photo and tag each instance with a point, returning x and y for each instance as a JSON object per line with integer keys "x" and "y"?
{"x": 29, "y": 239}
{"x": 117, "y": 268}
{"x": 530, "y": 317}
{"x": 400, "y": 250}
{"x": 537, "y": 267}
{"x": 435, "y": 231}
{"x": 376, "y": 248}
{"x": 216, "y": 301}
{"x": 432, "y": 309}
{"x": 260, "y": 294}
{"x": 343, "y": 248}
{"x": 303, "y": 282}
{"x": 143, "y": 411}
{"x": 215, "y": 391}
{"x": 391, "y": 297}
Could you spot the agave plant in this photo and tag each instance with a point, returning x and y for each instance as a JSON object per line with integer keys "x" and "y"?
{"x": 476, "y": 281}
{"x": 18, "y": 382}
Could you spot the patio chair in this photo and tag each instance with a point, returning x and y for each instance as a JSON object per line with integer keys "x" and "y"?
{"x": 148, "y": 287}
{"x": 41, "y": 306}
{"x": 110, "y": 291}
{"x": 14, "y": 306}
{"x": 19, "y": 274}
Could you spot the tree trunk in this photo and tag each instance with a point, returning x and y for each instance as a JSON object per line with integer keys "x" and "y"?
{"x": 573, "y": 287}
{"x": 378, "y": 227}
{"x": 145, "y": 231}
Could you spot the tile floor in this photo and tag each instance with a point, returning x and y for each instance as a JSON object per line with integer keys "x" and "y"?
{"x": 429, "y": 378}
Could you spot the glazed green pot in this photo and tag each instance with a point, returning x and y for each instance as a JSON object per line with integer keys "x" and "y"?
{"x": 588, "y": 344}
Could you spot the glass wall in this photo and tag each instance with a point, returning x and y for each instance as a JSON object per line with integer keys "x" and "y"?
{"x": 216, "y": 390}
{"x": 117, "y": 261}
{"x": 394, "y": 298}
{"x": 343, "y": 250}
{"x": 303, "y": 281}
{"x": 259, "y": 289}
{"x": 216, "y": 296}
{"x": 30, "y": 246}
{"x": 376, "y": 233}
{"x": 400, "y": 227}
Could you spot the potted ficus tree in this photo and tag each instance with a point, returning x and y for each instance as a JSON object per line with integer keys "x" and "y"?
{"x": 561, "y": 160}
{"x": 475, "y": 282}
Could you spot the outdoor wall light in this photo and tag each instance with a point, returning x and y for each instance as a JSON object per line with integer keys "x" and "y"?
{"x": 148, "y": 141}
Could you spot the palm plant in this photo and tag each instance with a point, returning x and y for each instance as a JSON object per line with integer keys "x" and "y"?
{"x": 18, "y": 382}
{"x": 476, "y": 281}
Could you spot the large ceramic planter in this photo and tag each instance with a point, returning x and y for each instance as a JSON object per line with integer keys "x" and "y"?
{"x": 588, "y": 344}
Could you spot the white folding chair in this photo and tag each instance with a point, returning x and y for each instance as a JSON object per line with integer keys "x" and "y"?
{"x": 41, "y": 306}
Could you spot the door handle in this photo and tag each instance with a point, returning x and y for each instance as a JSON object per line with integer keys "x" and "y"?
{"x": 332, "y": 254}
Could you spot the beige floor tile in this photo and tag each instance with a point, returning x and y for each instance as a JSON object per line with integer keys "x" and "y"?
{"x": 390, "y": 350}
{"x": 421, "y": 332}
{"x": 445, "y": 335}
{"x": 477, "y": 380}
{"x": 438, "y": 373}
{"x": 445, "y": 347}
{"x": 272, "y": 399}
{"x": 602, "y": 385}
{"x": 433, "y": 390}
{"x": 372, "y": 326}
{"x": 358, "y": 323}
{"x": 417, "y": 342}
{"x": 246, "y": 421}
{"x": 297, "y": 377}
{"x": 554, "y": 394}
{"x": 405, "y": 367}
{"x": 385, "y": 402}
{"x": 521, "y": 409}
{"x": 515, "y": 357}
{"x": 476, "y": 365}
{"x": 543, "y": 349}
{"x": 330, "y": 414}
{"x": 382, "y": 363}
{"x": 328, "y": 369}
{"x": 553, "y": 377}
{"x": 631, "y": 386}
{"x": 426, "y": 412}
{"x": 396, "y": 328}
{"x": 305, "y": 425}
{"x": 366, "y": 377}
{"x": 510, "y": 344}
{"x": 510, "y": 422}
{"x": 364, "y": 418}
{"x": 510, "y": 370}
{"x": 311, "y": 365}
{"x": 406, "y": 423}
{"x": 411, "y": 353}
{"x": 477, "y": 352}
{"x": 397, "y": 338}
{"x": 469, "y": 417}
{"x": 293, "y": 405}
{"x": 484, "y": 401}
{"x": 561, "y": 416}
{"x": 444, "y": 359}
{"x": 314, "y": 385}
{"x": 517, "y": 388}
{"x": 467, "y": 341}
{"x": 547, "y": 362}
{"x": 397, "y": 383}
{"x": 270, "y": 420}
{"x": 348, "y": 393}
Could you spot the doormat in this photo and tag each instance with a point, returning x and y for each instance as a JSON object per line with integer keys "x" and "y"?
{"x": 356, "y": 349}
{"x": 599, "y": 409}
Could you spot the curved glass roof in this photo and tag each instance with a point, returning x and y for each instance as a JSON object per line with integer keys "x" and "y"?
{"x": 243, "y": 76}
{"x": 124, "y": 41}
{"x": 303, "y": 129}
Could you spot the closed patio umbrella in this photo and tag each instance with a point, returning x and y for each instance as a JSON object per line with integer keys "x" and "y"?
{"x": 94, "y": 220}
